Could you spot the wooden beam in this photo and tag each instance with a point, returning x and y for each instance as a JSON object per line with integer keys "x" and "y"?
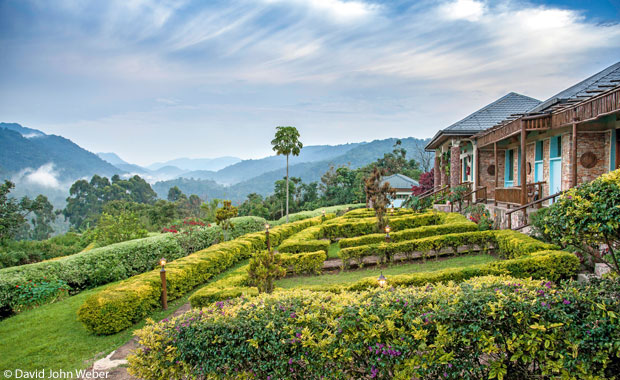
{"x": 573, "y": 155}
{"x": 523, "y": 164}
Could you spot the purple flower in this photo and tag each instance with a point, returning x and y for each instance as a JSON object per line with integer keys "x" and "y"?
{"x": 293, "y": 315}
{"x": 566, "y": 302}
{"x": 298, "y": 335}
{"x": 290, "y": 361}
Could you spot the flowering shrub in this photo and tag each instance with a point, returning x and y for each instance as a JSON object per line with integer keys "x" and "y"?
{"x": 485, "y": 328}
{"x": 587, "y": 217}
{"x": 479, "y": 214}
{"x": 427, "y": 182}
{"x": 32, "y": 294}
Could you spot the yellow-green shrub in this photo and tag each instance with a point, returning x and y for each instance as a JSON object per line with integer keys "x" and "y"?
{"x": 305, "y": 262}
{"x": 410, "y": 234}
{"x": 343, "y": 228}
{"x": 118, "y": 307}
{"x": 305, "y": 241}
{"x": 386, "y": 251}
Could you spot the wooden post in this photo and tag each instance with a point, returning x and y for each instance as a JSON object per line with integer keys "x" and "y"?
{"x": 164, "y": 292}
{"x": 496, "y": 173}
{"x": 573, "y": 155}
{"x": 523, "y": 165}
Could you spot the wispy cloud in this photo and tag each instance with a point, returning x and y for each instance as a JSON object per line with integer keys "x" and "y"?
{"x": 343, "y": 70}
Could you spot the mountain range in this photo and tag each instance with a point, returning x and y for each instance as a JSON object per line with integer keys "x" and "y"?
{"x": 43, "y": 161}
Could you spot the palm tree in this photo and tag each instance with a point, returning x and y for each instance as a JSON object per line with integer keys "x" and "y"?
{"x": 287, "y": 142}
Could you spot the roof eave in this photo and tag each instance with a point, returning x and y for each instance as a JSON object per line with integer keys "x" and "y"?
{"x": 443, "y": 135}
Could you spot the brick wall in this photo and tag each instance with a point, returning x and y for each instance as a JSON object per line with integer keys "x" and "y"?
{"x": 566, "y": 165}
{"x": 591, "y": 142}
{"x": 455, "y": 166}
{"x": 437, "y": 171}
{"x": 487, "y": 159}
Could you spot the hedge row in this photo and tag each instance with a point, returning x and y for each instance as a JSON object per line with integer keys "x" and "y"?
{"x": 549, "y": 265}
{"x": 513, "y": 244}
{"x": 410, "y": 234}
{"x": 339, "y": 228}
{"x": 305, "y": 241}
{"x": 119, "y": 306}
{"x": 368, "y": 212}
{"x": 236, "y": 284}
{"x": 338, "y": 210}
{"x": 386, "y": 251}
{"x": 484, "y": 328}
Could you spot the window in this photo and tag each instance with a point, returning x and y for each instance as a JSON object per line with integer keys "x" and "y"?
{"x": 555, "y": 149}
{"x": 510, "y": 164}
{"x": 539, "y": 151}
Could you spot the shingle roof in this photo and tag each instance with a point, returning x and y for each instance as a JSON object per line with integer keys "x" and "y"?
{"x": 495, "y": 112}
{"x": 399, "y": 181}
{"x": 488, "y": 116}
{"x": 599, "y": 82}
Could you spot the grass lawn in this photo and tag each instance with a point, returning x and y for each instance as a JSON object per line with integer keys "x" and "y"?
{"x": 50, "y": 337}
{"x": 333, "y": 251}
{"x": 355, "y": 275}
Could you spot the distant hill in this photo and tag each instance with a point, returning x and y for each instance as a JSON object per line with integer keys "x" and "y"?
{"x": 22, "y": 148}
{"x": 191, "y": 164}
{"x": 358, "y": 155}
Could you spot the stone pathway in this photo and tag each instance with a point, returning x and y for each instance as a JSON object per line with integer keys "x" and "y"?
{"x": 115, "y": 364}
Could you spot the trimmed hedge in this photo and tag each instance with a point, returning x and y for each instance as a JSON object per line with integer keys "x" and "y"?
{"x": 306, "y": 262}
{"x": 305, "y": 241}
{"x": 549, "y": 265}
{"x": 368, "y": 213}
{"x": 339, "y": 228}
{"x": 235, "y": 284}
{"x": 387, "y": 251}
{"x": 513, "y": 244}
{"x": 409, "y": 234}
{"x": 318, "y": 212}
{"x": 119, "y": 306}
{"x": 484, "y": 328}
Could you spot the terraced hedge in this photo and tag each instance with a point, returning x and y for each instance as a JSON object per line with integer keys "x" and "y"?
{"x": 119, "y": 306}
{"x": 305, "y": 241}
{"x": 237, "y": 283}
{"x": 410, "y": 234}
{"x": 344, "y": 228}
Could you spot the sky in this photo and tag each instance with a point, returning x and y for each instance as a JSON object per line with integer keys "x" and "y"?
{"x": 157, "y": 80}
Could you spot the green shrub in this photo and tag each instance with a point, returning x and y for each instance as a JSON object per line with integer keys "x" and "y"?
{"x": 234, "y": 284}
{"x": 386, "y": 251}
{"x": 305, "y": 241}
{"x": 513, "y": 244}
{"x": 484, "y": 328}
{"x": 119, "y": 306}
{"x": 242, "y": 225}
{"x": 318, "y": 212}
{"x": 118, "y": 228}
{"x": 409, "y": 234}
{"x": 265, "y": 267}
{"x": 31, "y": 251}
{"x": 587, "y": 217}
{"x": 306, "y": 262}
{"x": 342, "y": 228}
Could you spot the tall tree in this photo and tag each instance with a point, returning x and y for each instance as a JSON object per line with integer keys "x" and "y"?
{"x": 286, "y": 142}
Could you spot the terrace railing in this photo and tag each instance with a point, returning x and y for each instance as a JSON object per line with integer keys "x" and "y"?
{"x": 524, "y": 208}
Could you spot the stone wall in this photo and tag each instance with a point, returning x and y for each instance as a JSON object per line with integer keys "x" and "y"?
{"x": 487, "y": 158}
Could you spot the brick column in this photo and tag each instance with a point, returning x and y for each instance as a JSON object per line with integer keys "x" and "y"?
{"x": 437, "y": 171}
{"x": 455, "y": 164}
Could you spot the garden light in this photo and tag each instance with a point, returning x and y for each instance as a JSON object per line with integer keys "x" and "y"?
{"x": 382, "y": 280}
{"x": 387, "y": 234}
{"x": 164, "y": 292}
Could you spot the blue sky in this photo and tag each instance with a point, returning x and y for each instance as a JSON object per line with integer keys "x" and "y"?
{"x": 157, "y": 80}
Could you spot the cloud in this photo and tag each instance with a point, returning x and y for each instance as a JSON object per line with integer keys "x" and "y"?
{"x": 45, "y": 176}
{"x": 108, "y": 74}
{"x": 470, "y": 10}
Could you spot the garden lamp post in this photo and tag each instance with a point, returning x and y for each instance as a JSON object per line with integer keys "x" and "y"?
{"x": 382, "y": 280}
{"x": 267, "y": 237}
{"x": 164, "y": 292}
{"x": 387, "y": 234}
{"x": 323, "y": 216}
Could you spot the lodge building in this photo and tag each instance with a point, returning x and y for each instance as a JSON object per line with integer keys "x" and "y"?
{"x": 551, "y": 146}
